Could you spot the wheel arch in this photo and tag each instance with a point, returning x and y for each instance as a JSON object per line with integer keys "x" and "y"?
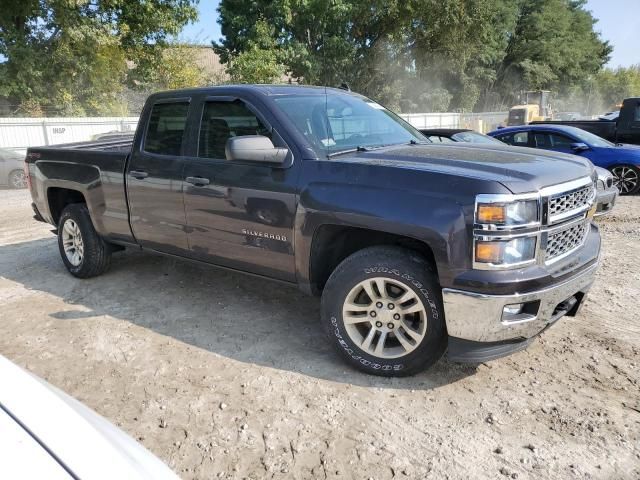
{"x": 332, "y": 243}
{"x": 59, "y": 197}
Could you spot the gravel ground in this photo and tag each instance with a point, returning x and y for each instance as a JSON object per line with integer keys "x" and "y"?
{"x": 227, "y": 376}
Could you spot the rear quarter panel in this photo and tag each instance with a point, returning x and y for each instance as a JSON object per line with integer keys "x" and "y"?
{"x": 97, "y": 175}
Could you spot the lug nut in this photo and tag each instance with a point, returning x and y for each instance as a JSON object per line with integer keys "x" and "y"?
{"x": 379, "y": 304}
{"x": 390, "y": 325}
{"x": 378, "y": 324}
{"x": 396, "y": 316}
{"x": 391, "y": 306}
{"x": 373, "y": 314}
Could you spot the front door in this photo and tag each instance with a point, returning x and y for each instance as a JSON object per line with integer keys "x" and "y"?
{"x": 239, "y": 214}
{"x": 155, "y": 178}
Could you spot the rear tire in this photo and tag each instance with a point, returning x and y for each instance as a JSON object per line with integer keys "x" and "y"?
{"x": 626, "y": 178}
{"x": 83, "y": 251}
{"x": 382, "y": 310}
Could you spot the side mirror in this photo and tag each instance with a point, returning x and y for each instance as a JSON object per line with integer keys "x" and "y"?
{"x": 579, "y": 147}
{"x": 254, "y": 148}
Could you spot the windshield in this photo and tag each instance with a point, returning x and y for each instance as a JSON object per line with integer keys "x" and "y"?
{"x": 474, "y": 137}
{"x": 590, "y": 139}
{"x": 335, "y": 122}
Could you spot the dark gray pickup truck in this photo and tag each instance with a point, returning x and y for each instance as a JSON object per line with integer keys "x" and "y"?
{"x": 414, "y": 247}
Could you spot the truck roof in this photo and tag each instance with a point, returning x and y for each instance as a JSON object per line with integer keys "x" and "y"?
{"x": 264, "y": 89}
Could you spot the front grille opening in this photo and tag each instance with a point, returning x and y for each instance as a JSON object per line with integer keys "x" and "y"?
{"x": 570, "y": 201}
{"x": 565, "y": 241}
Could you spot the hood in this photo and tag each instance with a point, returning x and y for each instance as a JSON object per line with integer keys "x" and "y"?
{"x": 521, "y": 170}
{"x": 626, "y": 147}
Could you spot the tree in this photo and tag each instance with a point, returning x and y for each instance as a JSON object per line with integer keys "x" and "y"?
{"x": 418, "y": 54}
{"x": 77, "y": 56}
{"x": 259, "y": 62}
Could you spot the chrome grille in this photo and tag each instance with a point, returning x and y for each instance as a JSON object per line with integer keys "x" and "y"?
{"x": 565, "y": 241}
{"x": 563, "y": 204}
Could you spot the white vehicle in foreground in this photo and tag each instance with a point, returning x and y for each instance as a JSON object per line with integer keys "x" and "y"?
{"x": 46, "y": 434}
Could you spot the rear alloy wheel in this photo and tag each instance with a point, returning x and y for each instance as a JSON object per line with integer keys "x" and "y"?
{"x": 17, "y": 179}
{"x": 72, "y": 242}
{"x": 84, "y": 253}
{"x": 626, "y": 178}
{"x": 382, "y": 310}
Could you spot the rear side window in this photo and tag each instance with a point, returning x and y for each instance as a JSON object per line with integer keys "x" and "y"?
{"x": 166, "y": 128}
{"x": 637, "y": 116}
{"x": 223, "y": 120}
{"x": 518, "y": 139}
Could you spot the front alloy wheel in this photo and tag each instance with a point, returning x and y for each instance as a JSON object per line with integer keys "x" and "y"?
{"x": 382, "y": 310}
{"x": 626, "y": 179}
{"x": 384, "y": 317}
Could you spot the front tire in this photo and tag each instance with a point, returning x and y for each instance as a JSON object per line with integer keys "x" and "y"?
{"x": 382, "y": 309}
{"x": 84, "y": 253}
{"x": 626, "y": 178}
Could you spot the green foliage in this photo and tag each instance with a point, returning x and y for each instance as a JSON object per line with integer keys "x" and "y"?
{"x": 74, "y": 57}
{"x": 424, "y": 54}
{"x": 258, "y": 63}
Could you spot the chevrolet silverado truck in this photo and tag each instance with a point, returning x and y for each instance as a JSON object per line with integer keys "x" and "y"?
{"x": 415, "y": 248}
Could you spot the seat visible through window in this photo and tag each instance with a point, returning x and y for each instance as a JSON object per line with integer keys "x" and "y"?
{"x": 223, "y": 120}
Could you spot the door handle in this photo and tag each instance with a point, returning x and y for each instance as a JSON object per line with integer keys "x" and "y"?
{"x": 198, "y": 181}
{"x": 139, "y": 174}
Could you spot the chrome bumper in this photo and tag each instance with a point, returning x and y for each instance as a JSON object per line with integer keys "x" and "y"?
{"x": 479, "y": 317}
{"x": 606, "y": 199}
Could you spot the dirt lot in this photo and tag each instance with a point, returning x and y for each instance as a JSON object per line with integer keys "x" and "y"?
{"x": 226, "y": 376}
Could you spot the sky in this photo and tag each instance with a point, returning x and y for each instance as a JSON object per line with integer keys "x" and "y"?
{"x": 618, "y": 22}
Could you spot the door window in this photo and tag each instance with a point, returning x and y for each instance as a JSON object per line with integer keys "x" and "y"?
{"x": 637, "y": 115}
{"x": 166, "y": 128}
{"x": 560, "y": 141}
{"x": 223, "y": 120}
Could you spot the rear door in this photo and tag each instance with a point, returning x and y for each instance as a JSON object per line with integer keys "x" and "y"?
{"x": 239, "y": 214}
{"x": 155, "y": 179}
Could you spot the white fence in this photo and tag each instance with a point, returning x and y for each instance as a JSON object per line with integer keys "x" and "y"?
{"x": 481, "y": 122}
{"x": 20, "y": 133}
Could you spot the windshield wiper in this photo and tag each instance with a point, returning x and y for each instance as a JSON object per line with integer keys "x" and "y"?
{"x": 359, "y": 148}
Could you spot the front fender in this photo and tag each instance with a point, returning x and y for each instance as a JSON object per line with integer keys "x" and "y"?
{"x": 434, "y": 218}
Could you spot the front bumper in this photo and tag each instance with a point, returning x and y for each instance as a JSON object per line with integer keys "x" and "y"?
{"x": 479, "y": 317}
{"x": 605, "y": 200}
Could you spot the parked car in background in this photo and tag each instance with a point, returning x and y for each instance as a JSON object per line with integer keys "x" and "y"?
{"x": 12, "y": 169}
{"x": 606, "y": 192}
{"x": 623, "y": 161}
{"x": 445, "y": 135}
{"x": 621, "y": 128}
{"x": 46, "y": 434}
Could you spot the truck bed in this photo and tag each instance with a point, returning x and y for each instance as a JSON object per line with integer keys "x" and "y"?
{"x": 95, "y": 169}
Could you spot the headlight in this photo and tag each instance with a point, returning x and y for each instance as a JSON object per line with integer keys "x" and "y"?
{"x": 505, "y": 252}
{"x": 521, "y": 212}
{"x": 506, "y": 231}
{"x": 600, "y": 185}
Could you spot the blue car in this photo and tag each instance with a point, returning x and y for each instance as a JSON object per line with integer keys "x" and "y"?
{"x": 622, "y": 160}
